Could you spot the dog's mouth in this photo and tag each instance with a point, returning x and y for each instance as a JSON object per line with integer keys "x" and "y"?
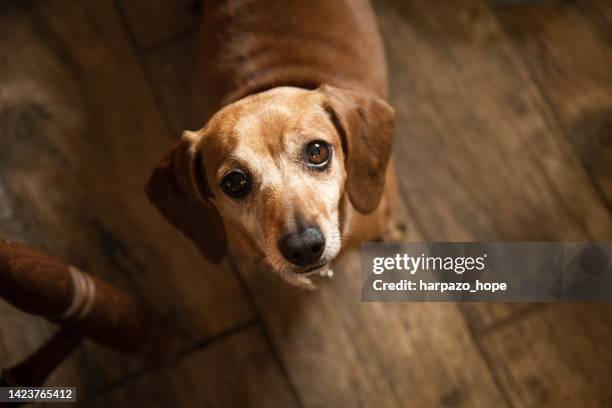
{"x": 313, "y": 269}
{"x": 304, "y": 277}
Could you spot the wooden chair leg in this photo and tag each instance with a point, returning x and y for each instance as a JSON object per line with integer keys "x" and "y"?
{"x": 83, "y": 306}
{"x": 36, "y": 368}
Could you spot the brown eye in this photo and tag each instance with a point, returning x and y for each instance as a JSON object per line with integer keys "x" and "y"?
{"x": 236, "y": 184}
{"x": 318, "y": 154}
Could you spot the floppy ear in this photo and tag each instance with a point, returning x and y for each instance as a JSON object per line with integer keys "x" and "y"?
{"x": 366, "y": 125}
{"x": 179, "y": 190}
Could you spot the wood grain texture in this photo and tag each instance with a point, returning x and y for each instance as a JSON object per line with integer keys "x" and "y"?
{"x": 341, "y": 352}
{"x": 568, "y": 48}
{"x": 157, "y": 20}
{"x": 174, "y": 68}
{"x": 481, "y": 155}
{"x": 605, "y": 8}
{"x": 486, "y": 316}
{"x": 79, "y": 133}
{"x": 238, "y": 372}
{"x": 559, "y": 358}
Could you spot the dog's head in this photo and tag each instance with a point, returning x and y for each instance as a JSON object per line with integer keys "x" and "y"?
{"x": 269, "y": 172}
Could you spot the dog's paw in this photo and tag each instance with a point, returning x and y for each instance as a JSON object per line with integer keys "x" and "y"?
{"x": 395, "y": 227}
{"x": 395, "y": 231}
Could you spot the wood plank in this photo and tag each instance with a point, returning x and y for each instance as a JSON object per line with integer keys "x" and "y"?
{"x": 371, "y": 354}
{"x": 237, "y": 372}
{"x": 559, "y": 358}
{"x": 604, "y": 7}
{"x": 154, "y": 21}
{"x": 482, "y": 156}
{"x": 484, "y": 316}
{"x": 539, "y": 379}
{"x": 174, "y": 69}
{"x": 568, "y": 47}
{"x": 80, "y": 135}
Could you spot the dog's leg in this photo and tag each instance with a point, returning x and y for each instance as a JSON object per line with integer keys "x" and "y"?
{"x": 394, "y": 227}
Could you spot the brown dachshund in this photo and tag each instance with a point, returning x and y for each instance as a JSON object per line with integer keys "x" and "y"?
{"x": 294, "y": 162}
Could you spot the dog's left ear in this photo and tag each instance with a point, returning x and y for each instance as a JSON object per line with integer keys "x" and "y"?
{"x": 366, "y": 126}
{"x": 179, "y": 190}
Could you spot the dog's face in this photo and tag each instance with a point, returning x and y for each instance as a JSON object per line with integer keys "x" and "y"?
{"x": 275, "y": 168}
{"x": 269, "y": 171}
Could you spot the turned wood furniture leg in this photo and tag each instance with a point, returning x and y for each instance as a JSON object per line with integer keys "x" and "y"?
{"x": 82, "y": 305}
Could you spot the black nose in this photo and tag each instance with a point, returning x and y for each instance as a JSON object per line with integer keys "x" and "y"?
{"x": 303, "y": 248}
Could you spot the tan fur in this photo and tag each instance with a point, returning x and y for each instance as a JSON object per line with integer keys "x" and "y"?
{"x": 278, "y": 75}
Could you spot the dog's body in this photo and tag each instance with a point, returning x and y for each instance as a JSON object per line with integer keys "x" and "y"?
{"x": 249, "y": 46}
{"x": 275, "y": 75}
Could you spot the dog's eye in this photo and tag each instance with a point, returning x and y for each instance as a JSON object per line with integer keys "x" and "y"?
{"x": 236, "y": 184}
{"x": 318, "y": 153}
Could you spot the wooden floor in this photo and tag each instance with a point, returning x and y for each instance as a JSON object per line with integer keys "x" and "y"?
{"x": 504, "y": 133}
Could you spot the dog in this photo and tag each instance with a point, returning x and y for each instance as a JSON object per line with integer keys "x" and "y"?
{"x": 294, "y": 163}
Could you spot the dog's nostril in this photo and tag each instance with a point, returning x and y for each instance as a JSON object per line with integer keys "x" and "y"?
{"x": 303, "y": 248}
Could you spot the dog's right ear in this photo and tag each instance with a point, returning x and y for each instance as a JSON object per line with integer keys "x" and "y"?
{"x": 179, "y": 190}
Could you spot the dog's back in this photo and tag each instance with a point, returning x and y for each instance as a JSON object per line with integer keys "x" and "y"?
{"x": 250, "y": 46}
